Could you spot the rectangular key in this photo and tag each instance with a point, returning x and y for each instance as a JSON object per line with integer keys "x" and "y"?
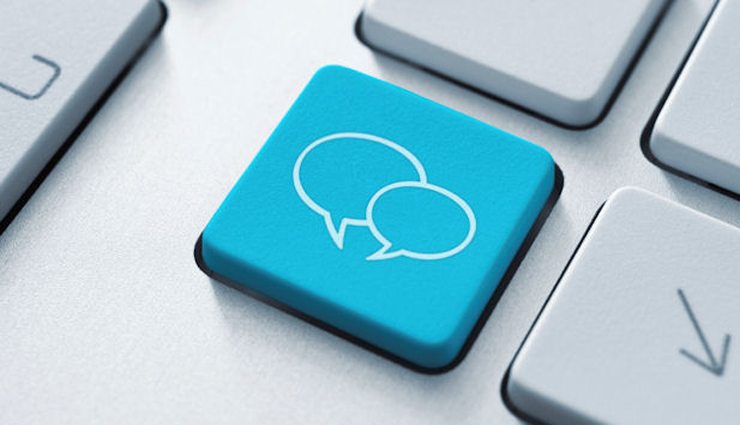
{"x": 56, "y": 60}
{"x": 560, "y": 59}
{"x": 697, "y": 130}
{"x": 641, "y": 328}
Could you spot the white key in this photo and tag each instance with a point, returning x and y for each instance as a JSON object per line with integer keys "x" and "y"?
{"x": 617, "y": 344}
{"x": 56, "y": 59}
{"x": 698, "y": 130}
{"x": 562, "y": 59}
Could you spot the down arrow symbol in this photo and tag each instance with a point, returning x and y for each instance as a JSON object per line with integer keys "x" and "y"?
{"x": 714, "y": 366}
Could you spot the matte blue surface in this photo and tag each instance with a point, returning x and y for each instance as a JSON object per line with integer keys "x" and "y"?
{"x": 265, "y": 237}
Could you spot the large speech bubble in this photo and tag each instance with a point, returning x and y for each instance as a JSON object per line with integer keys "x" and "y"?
{"x": 342, "y": 172}
{"x": 419, "y": 220}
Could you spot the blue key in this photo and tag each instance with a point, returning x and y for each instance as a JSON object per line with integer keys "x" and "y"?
{"x": 386, "y": 216}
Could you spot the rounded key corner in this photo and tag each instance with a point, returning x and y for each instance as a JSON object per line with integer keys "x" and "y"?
{"x": 648, "y": 151}
{"x": 200, "y": 261}
{"x": 584, "y": 108}
{"x": 628, "y": 191}
{"x": 441, "y": 351}
{"x": 447, "y": 361}
{"x": 550, "y": 168}
{"x": 164, "y": 14}
{"x": 332, "y": 74}
{"x": 435, "y": 356}
{"x": 567, "y": 124}
{"x": 547, "y": 160}
{"x": 557, "y": 183}
{"x": 435, "y": 368}
{"x": 329, "y": 69}
{"x": 559, "y": 176}
{"x": 510, "y": 403}
{"x": 647, "y": 136}
{"x": 198, "y": 256}
{"x": 361, "y": 35}
{"x": 505, "y": 390}
{"x": 358, "y": 29}
{"x": 655, "y": 147}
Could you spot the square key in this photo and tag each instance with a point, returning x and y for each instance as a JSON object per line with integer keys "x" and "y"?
{"x": 642, "y": 326}
{"x": 380, "y": 215}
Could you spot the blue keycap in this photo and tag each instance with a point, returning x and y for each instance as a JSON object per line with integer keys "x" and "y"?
{"x": 387, "y": 216}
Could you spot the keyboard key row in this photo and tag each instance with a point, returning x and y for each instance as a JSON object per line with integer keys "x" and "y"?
{"x": 48, "y": 83}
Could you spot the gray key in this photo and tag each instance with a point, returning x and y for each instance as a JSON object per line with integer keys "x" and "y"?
{"x": 562, "y": 59}
{"x": 697, "y": 129}
{"x": 641, "y": 328}
{"x": 56, "y": 60}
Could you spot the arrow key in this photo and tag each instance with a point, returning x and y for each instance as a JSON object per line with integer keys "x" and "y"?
{"x": 641, "y": 327}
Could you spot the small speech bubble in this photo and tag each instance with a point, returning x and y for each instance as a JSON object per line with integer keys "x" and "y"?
{"x": 337, "y": 175}
{"x": 419, "y": 220}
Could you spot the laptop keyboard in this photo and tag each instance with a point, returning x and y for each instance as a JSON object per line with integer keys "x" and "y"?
{"x": 645, "y": 265}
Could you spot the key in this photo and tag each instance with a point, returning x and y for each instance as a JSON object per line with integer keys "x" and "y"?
{"x": 382, "y": 216}
{"x": 696, "y": 131}
{"x": 561, "y": 59}
{"x": 56, "y": 60}
{"x": 642, "y": 327}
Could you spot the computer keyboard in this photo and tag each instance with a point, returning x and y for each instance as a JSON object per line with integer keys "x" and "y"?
{"x": 105, "y": 316}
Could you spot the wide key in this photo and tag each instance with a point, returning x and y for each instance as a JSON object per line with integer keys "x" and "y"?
{"x": 56, "y": 60}
{"x": 561, "y": 59}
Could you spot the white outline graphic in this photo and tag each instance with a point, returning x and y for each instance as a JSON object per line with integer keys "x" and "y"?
{"x": 337, "y": 234}
{"x": 384, "y": 254}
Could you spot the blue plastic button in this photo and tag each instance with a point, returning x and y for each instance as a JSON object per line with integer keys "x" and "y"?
{"x": 387, "y": 216}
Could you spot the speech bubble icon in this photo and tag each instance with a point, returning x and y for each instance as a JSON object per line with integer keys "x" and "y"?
{"x": 419, "y": 220}
{"x": 337, "y": 175}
